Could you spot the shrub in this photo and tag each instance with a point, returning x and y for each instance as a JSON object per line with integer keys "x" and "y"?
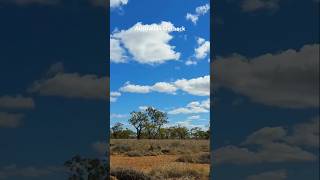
{"x": 177, "y": 171}
{"x": 134, "y": 154}
{"x": 121, "y": 148}
{"x": 126, "y": 174}
{"x": 195, "y": 158}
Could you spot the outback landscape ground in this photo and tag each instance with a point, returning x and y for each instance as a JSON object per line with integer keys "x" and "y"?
{"x": 159, "y": 159}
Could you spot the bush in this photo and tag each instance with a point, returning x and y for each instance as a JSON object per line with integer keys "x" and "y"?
{"x": 121, "y": 148}
{"x": 128, "y": 174}
{"x": 177, "y": 171}
{"x": 134, "y": 154}
{"x": 203, "y": 158}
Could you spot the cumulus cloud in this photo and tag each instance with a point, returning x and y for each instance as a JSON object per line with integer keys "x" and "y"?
{"x": 188, "y": 124}
{"x": 274, "y": 145}
{"x": 287, "y": 79}
{"x": 203, "y": 48}
{"x": 132, "y": 88}
{"x": 255, "y": 5}
{"x": 164, "y": 87}
{"x": 147, "y": 47}
{"x": 274, "y": 175}
{"x": 10, "y": 120}
{"x": 72, "y": 85}
{"x": 114, "y": 96}
{"x": 305, "y": 134}
{"x": 118, "y": 3}
{"x": 117, "y": 53}
{"x": 196, "y": 86}
{"x": 194, "y": 107}
{"x": 199, "y": 11}
{"x": 16, "y": 102}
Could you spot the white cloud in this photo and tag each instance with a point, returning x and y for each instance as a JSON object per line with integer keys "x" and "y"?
{"x": 117, "y": 53}
{"x": 131, "y": 88}
{"x": 148, "y": 47}
{"x": 197, "y": 86}
{"x": 199, "y": 11}
{"x": 287, "y": 79}
{"x": 190, "y": 62}
{"x": 188, "y": 124}
{"x": 192, "y": 17}
{"x": 114, "y": 96}
{"x": 274, "y": 175}
{"x": 203, "y": 48}
{"x": 17, "y": 102}
{"x": 255, "y": 5}
{"x": 194, "y": 107}
{"x": 8, "y": 120}
{"x": 118, "y": 3}
{"x": 164, "y": 87}
{"x": 118, "y": 116}
{"x": 194, "y": 117}
{"x": 72, "y": 85}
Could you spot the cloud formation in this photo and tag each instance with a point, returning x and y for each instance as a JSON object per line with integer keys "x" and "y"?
{"x": 274, "y": 145}
{"x": 287, "y": 79}
{"x": 72, "y": 85}
{"x": 199, "y": 11}
{"x": 196, "y": 86}
{"x": 147, "y": 47}
{"x": 194, "y": 107}
{"x": 17, "y": 102}
{"x": 255, "y": 5}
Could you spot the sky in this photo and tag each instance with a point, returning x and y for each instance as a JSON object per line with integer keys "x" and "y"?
{"x": 265, "y": 113}
{"x": 167, "y": 70}
{"x": 52, "y": 97}
{"x": 266, "y": 80}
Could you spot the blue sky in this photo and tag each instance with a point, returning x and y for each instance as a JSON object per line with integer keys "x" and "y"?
{"x": 133, "y": 75}
{"x": 64, "y": 45}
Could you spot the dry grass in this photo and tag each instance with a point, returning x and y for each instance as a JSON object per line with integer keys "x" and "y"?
{"x": 161, "y": 159}
{"x": 157, "y": 147}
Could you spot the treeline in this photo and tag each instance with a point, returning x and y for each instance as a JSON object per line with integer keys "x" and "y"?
{"x": 149, "y": 125}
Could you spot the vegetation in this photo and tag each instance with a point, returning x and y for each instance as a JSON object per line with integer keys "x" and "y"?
{"x": 149, "y": 125}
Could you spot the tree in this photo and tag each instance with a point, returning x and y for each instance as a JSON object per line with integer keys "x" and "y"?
{"x": 116, "y": 130}
{"x": 138, "y": 120}
{"x": 83, "y": 168}
{"x": 157, "y": 120}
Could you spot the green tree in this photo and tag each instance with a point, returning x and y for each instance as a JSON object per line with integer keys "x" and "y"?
{"x": 157, "y": 120}
{"x": 138, "y": 120}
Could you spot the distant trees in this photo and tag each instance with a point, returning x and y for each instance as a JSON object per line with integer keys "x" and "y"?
{"x": 149, "y": 124}
{"x": 118, "y": 132}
